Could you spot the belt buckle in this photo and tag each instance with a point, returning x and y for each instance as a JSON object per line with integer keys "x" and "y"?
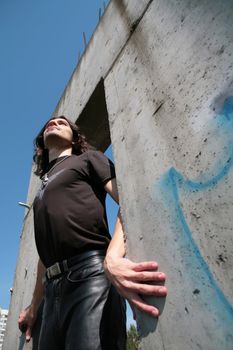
{"x": 54, "y": 270}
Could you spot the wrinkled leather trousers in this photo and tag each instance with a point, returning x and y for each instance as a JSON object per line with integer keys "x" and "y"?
{"x": 83, "y": 311}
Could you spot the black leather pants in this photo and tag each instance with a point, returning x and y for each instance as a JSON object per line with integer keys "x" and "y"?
{"x": 83, "y": 311}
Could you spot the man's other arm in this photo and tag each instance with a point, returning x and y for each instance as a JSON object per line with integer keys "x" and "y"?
{"x": 28, "y": 316}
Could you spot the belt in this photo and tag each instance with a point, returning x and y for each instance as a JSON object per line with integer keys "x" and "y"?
{"x": 60, "y": 267}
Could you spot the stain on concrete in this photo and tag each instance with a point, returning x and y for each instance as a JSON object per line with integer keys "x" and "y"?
{"x": 212, "y": 296}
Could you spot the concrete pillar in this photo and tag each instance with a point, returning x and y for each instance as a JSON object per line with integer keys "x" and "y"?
{"x": 170, "y": 103}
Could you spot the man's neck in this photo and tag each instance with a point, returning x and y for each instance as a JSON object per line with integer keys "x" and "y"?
{"x": 56, "y": 153}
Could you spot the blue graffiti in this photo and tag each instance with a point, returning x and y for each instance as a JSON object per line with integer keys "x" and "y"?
{"x": 171, "y": 185}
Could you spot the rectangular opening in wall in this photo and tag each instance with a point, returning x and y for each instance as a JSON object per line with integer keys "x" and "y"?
{"x": 93, "y": 121}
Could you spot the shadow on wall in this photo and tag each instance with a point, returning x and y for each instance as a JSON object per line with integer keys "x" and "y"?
{"x": 151, "y": 322}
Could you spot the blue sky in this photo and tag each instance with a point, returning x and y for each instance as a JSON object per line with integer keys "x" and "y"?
{"x": 40, "y": 42}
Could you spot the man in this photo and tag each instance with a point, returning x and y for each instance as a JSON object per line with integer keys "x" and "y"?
{"x": 82, "y": 309}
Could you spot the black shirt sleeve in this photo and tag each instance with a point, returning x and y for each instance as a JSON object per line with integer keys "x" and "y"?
{"x": 101, "y": 169}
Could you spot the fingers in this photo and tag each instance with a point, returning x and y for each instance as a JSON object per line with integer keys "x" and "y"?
{"x": 149, "y": 276}
{"x": 135, "y": 279}
{"x": 143, "y": 271}
{"x": 28, "y": 334}
{"x": 25, "y": 323}
{"x": 146, "y": 265}
{"x": 21, "y": 322}
{"x": 24, "y": 328}
{"x": 146, "y": 289}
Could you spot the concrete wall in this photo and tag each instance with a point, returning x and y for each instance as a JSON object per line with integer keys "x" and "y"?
{"x": 171, "y": 89}
{"x": 25, "y": 275}
{"x": 167, "y": 69}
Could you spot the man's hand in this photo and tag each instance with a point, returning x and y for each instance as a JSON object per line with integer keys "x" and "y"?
{"x": 26, "y": 321}
{"x": 132, "y": 279}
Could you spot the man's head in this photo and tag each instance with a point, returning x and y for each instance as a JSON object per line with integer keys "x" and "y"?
{"x": 58, "y": 133}
{"x": 57, "y": 130}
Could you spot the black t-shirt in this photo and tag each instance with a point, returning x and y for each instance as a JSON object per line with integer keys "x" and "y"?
{"x": 69, "y": 210}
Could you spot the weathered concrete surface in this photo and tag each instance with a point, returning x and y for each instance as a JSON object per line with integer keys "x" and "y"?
{"x": 108, "y": 40}
{"x": 168, "y": 77}
{"x": 25, "y": 275}
{"x": 170, "y": 104}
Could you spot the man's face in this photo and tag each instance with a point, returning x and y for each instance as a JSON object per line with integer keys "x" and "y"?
{"x": 57, "y": 130}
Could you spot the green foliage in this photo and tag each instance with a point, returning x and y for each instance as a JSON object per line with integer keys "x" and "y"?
{"x": 132, "y": 338}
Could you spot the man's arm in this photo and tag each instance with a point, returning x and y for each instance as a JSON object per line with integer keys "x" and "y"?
{"x": 131, "y": 279}
{"x": 28, "y": 316}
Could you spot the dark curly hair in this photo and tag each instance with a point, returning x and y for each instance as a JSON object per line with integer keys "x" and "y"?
{"x": 41, "y": 156}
